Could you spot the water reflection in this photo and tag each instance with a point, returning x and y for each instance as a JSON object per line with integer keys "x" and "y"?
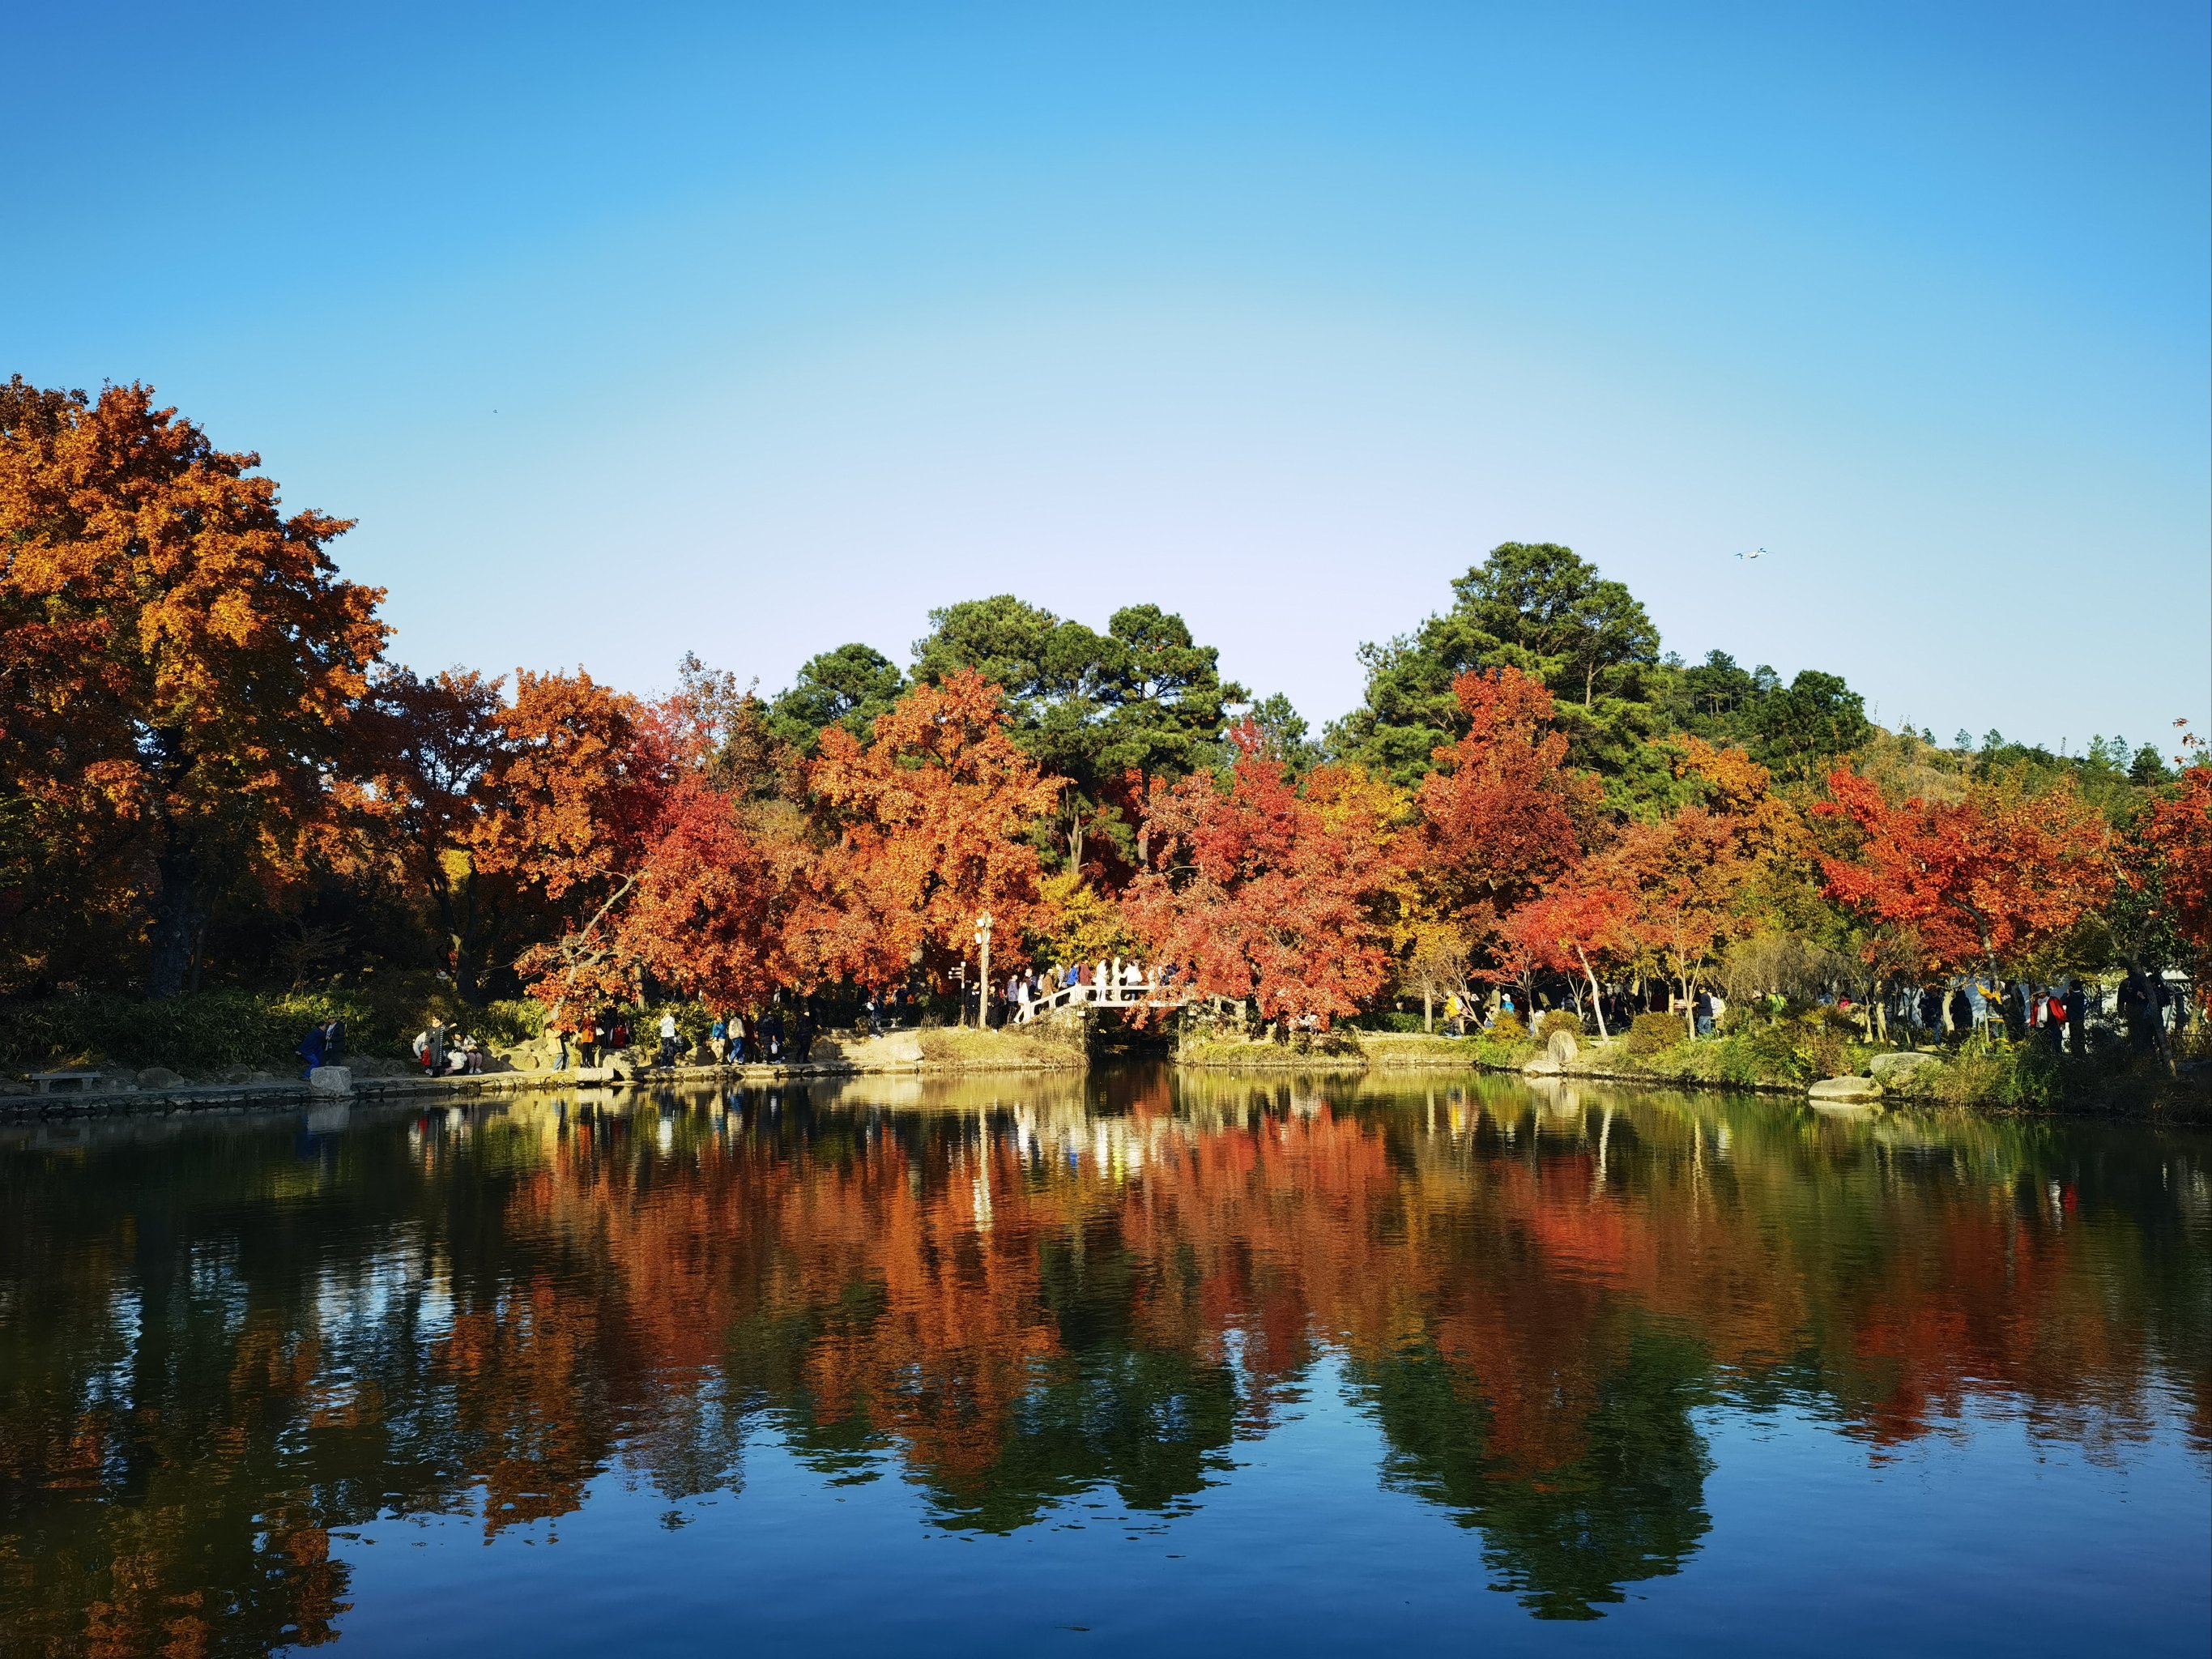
{"x": 216, "y": 1347}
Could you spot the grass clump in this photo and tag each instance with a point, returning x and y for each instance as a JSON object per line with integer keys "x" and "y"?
{"x": 963, "y": 1048}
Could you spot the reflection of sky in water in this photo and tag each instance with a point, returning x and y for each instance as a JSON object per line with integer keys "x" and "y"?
{"x": 1213, "y": 1361}
{"x": 1975, "y": 1542}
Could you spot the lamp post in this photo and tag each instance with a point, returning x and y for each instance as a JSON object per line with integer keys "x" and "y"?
{"x": 983, "y": 989}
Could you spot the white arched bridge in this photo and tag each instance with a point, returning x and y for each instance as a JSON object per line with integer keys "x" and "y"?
{"x": 1125, "y": 994}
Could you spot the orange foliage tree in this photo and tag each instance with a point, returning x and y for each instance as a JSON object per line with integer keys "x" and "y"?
{"x": 1580, "y": 921}
{"x": 575, "y": 799}
{"x": 177, "y": 657}
{"x": 1982, "y": 882}
{"x": 1678, "y": 884}
{"x": 1256, "y": 891}
{"x": 2157, "y": 908}
{"x": 2176, "y": 834}
{"x": 932, "y": 817}
{"x": 427, "y": 748}
{"x": 1502, "y": 814}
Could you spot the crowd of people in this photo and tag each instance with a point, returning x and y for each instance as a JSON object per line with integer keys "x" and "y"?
{"x": 442, "y": 1051}
{"x": 1113, "y": 979}
{"x": 783, "y": 1030}
{"x": 2143, "y": 1009}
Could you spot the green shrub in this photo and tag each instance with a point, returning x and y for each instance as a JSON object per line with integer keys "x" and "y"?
{"x": 1509, "y": 1027}
{"x": 1738, "y": 1061}
{"x": 1391, "y": 1019}
{"x": 1820, "y": 1038}
{"x": 2026, "y": 1076}
{"x": 206, "y": 1032}
{"x": 508, "y": 1023}
{"x": 1771, "y": 1051}
{"x": 1654, "y": 1034}
{"x": 1558, "y": 1019}
{"x": 213, "y": 1031}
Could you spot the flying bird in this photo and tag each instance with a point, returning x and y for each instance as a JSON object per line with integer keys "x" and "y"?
{"x": 1755, "y": 553}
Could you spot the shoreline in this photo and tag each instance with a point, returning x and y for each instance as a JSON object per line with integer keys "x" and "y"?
{"x": 965, "y": 1056}
{"x": 2186, "y": 1098}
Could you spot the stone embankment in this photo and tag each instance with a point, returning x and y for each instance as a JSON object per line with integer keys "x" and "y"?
{"x": 1562, "y": 1056}
{"x": 158, "y": 1092}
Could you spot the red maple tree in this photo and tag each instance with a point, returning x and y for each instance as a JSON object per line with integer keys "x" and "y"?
{"x": 707, "y": 915}
{"x": 2178, "y": 831}
{"x": 1982, "y": 881}
{"x": 1579, "y": 920}
{"x": 575, "y": 799}
{"x": 1254, "y": 891}
{"x": 1503, "y": 813}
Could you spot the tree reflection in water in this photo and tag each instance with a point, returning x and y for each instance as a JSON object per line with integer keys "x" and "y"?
{"x": 218, "y": 1346}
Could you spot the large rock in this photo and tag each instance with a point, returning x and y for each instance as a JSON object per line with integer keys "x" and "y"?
{"x": 160, "y": 1077}
{"x": 1845, "y": 1091}
{"x": 1890, "y": 1069}
{"x": 1562, "y": 1047}
{"x": 330, "y": 1081}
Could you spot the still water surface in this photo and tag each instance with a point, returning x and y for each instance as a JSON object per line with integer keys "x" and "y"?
{"x": 1021, "y": 1365}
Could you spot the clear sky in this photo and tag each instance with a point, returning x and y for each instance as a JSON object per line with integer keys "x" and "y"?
{"x": 630, "y": 330}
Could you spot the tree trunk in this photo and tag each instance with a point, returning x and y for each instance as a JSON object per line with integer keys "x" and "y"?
{"x": 1597, "y": 997}
{"x": 179, "y": 913}
{"x": 1428, "y": 1009}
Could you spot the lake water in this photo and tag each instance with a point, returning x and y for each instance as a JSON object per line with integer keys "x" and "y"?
{"x": 1034, "y": 1365}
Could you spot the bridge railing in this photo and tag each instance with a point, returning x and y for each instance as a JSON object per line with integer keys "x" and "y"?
{"x": 1136, "y": 993}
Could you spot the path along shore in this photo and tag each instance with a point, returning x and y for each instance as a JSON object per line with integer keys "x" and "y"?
{"x": 899, "y": 1053}
{"x": 941, "y": 1053}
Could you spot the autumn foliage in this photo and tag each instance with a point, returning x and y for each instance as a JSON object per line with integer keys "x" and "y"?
{"x": 1501, "y": 814}
{"x": 1252, "y": 892}
{"x": 931, "y": 816}
{"x": 201, "y": 752}
{"x": 149, "y": 582}
{"x": 1982, "y": 881}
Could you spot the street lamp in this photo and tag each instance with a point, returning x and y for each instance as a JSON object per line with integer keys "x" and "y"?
{"x": 983, "y": 989}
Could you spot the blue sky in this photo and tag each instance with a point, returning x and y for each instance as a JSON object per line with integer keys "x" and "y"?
{"x": 632, "y": 330}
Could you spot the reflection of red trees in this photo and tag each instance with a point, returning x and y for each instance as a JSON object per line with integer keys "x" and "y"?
{"x": 899, "y": 1276}
{"x": 1523, "y": 1269}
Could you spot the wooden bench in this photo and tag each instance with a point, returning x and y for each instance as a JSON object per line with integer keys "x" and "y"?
{"x": 79, "y": 1083}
